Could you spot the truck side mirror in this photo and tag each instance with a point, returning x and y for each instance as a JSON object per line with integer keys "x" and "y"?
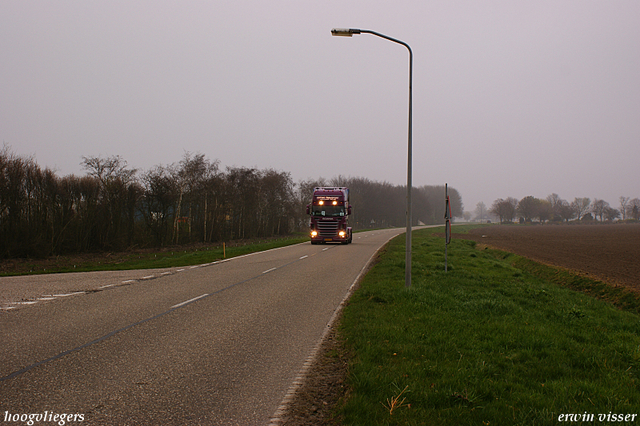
{"x": 308, "y": 209}
{"x": 349, "y": 210}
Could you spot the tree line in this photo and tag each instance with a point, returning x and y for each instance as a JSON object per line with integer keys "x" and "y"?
{"x": 382, "y": 205}
{"x": 555, "y": 209}
{"x": 115, "y": 207}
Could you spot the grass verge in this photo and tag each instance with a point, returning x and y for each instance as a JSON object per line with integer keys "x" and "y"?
{"x": 493, "y": 341}
{"x": 168, "y": 258}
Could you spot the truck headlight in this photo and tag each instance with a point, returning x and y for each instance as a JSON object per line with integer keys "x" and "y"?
{"x": 314, "y": 233}
{"x": 341, "y": 233}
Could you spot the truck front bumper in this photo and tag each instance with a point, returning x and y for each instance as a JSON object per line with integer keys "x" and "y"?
{"x": 342, "y": 237}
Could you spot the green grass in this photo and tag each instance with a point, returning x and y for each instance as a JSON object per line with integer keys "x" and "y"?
{"x": 161, "y": 259}
{"x": 495, "y": 340}
{"x": 201, "y": 255}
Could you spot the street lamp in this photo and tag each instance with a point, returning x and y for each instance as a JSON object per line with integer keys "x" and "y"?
{"x": 348, "y": 32}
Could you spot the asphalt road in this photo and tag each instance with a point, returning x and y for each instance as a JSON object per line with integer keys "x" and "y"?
{"x": 218, "y": 344}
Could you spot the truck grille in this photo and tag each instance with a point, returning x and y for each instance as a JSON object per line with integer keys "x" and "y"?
{"x": 328, "y": 228}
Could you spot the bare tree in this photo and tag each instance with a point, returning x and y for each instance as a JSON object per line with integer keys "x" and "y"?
{"x": 457, "y": 207}
{"x": 512, "y": 208}
{"x": 504, "y": 209}
{"x": 633, "y": 208}
{"x": 624, "y": 202}
{"x": 429, "y": 205}
{"x": 481, "y": 211}
{"x": 302, "y": 197}
{"x": 497, "y": 209}
{"x": 556, "y": 204}
{"x": 111, "y": 208}
{"x": 274, "y": 203}
{"x": 581, "y": 206}
{"x": 159, "y": 199}
{"x": 566, "y": 211}
{"x": 599, "y": 207}
{"x": 114, "y": 180}
{"x": 545, "y": 211}
{"x": 190, "y": 177}
{"x": 242, "y": 191}
{"x": 611, "y": 214}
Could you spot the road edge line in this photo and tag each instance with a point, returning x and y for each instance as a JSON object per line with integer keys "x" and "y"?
{"x": 278, "y": 417}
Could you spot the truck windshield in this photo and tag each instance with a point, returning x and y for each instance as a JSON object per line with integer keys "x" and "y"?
{"x": 327, "y": 211}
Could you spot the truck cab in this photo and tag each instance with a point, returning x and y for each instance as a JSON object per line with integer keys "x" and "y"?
{"x": 329, "y": 211}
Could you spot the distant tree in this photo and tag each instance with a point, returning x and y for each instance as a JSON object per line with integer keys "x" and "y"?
{"x": 381, "y": 204}
{"x": 302, "y": 193}
{"x": 191, "y": 175}
{"x": 611, "y": 214}
{"x": 581, "y": 206}
{"x": 111, "y": 207}
{"x": 88, "y": 207}
{"x": 114, "y": 215}
{"x": 545, "y": 211}
{"x": 562, "y": 210}
{"x": 587, "y": 217}
{"x": 457, "y": 207}
{"x": 633, "y": 208}
{"x": 504, "y": 209}
{"x": 275, "y": 202}
{"x": 481, "y": 211}
{"x": 528, "y": 208}
{"x": 556, "y": 204}
{"x": 159, "y": 201}
{"x": 495, "y": 209}
{"x": 566, "y": 211}
{"x": 433, "y": 199}
{"x": 214, "y": 206}
{"x": 624, "y": 202}
{"x": 13, "y": 200}
{"x": 598, "y": 208}
{"x": 108, "y": 169}
{"x": 242, "y": 192}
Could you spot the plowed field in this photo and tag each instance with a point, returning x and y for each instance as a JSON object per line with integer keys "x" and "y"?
{"x": 609, "y": 253}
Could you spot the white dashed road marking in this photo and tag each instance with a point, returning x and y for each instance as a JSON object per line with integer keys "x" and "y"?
{"x": 190, "y": 300}
{"x": 67, "y": 294}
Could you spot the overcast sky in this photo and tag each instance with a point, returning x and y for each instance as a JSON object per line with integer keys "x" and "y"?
{"x": 510, "y": 98}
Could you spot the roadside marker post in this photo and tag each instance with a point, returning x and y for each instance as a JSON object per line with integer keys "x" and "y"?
{"x": 447, "y": 224}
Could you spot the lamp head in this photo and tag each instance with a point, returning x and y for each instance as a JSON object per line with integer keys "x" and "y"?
{"x": 344, "y": 32}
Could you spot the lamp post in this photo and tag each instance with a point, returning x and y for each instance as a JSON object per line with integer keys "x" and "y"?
{"x": 348, "y": 32}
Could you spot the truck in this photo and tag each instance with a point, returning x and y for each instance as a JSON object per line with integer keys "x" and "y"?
{"x": 329, "y": 211}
